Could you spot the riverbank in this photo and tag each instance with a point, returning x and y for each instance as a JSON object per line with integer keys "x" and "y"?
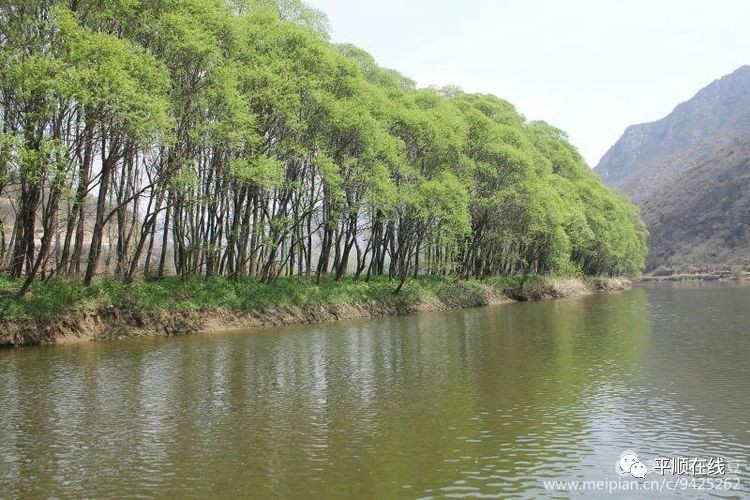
{"x": 698, "y": 274}
{"x": 64, "y": 311}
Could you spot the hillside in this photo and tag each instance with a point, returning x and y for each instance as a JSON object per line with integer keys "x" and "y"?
{"x": 688, "y": 174}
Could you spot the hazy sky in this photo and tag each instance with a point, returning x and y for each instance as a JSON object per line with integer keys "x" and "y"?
{"x": 589, "y": 67}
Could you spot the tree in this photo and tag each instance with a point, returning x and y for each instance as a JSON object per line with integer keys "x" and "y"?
{"x": 213, "y": 137}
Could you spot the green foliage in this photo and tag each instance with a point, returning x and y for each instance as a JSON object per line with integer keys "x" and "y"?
{"x": 738, "y": 273}
{"x": 226, "y": 105}
{"x": 261, "y": 171}
{"x": 61, "y": 297}
{"x": 112, "y": 75}
{"x": 380, "y": 77}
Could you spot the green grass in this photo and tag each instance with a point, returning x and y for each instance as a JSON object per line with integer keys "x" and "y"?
{"x": 60, "y": 297}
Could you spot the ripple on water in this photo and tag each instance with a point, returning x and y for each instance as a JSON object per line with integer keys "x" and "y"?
{"x": 485, "y": 402}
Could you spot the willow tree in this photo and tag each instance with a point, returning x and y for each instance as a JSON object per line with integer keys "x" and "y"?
{"x": 230, "y": 138}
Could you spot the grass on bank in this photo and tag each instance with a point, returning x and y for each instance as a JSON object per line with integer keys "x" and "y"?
{"x": 59, "y": 297}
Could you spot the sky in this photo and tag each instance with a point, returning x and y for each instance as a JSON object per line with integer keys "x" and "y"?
{"x": 588, "y": 67}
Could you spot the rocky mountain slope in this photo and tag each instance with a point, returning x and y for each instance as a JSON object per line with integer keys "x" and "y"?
{"x": 689, "y": 173}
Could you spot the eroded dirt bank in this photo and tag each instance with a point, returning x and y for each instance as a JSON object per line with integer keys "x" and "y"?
{"x": 110, "y": 322}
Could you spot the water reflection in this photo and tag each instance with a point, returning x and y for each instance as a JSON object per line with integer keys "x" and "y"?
{"x": 485, "y": 401}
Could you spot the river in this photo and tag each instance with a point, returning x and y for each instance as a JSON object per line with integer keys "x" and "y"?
{"x": 491, "y": 401}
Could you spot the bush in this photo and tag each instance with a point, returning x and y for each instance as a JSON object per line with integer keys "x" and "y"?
{"x": 737, "y": 272}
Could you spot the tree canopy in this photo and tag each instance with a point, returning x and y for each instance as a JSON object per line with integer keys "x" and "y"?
{"x": 208, "y": 137}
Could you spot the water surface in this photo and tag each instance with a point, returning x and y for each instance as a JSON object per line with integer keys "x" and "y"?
{"x": 492, "y": 401}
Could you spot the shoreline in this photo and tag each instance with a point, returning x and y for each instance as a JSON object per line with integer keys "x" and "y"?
{"x": 108, "y": 322}
{"x": 695, "y": 276}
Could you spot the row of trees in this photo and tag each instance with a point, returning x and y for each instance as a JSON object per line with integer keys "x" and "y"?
{"x": 206, "y": 137}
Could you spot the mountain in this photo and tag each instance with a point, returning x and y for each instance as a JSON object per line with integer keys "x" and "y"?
{"x": 689, "y": 173}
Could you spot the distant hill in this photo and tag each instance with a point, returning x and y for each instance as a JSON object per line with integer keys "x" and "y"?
{"x": 689, "y": 173}
{"x": 8, "y": 216}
